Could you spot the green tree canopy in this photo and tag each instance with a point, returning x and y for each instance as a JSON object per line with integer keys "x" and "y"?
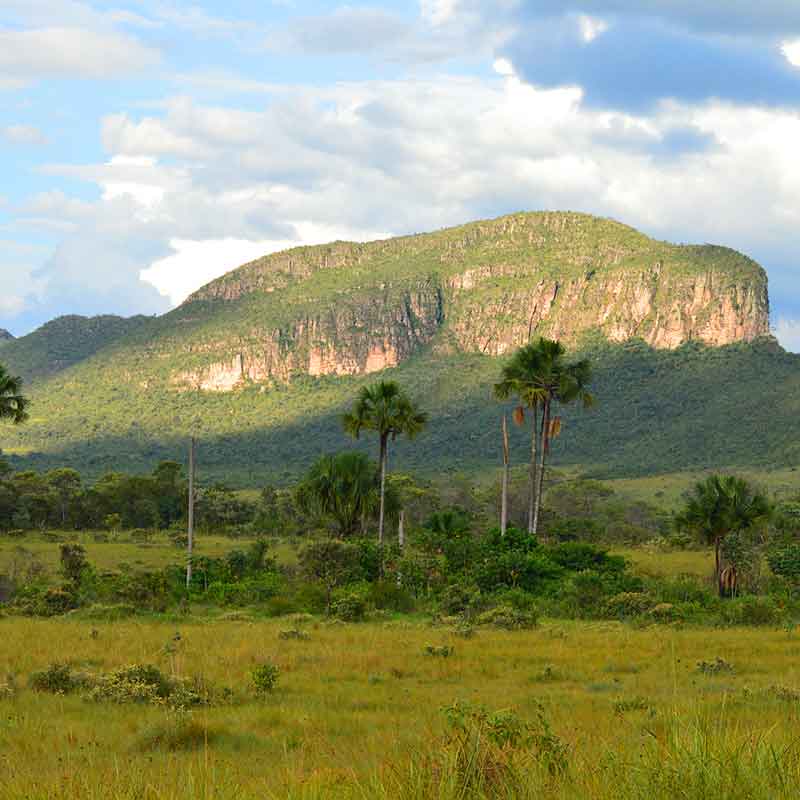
{"x": 720, "y": 505}
{"x": 12, "y": 404}
{"x": 385, "y": 409}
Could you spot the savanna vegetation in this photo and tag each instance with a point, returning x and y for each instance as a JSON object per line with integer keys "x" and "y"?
{"x": 365, "y": 631}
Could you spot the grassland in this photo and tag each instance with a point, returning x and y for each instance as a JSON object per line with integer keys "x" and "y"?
{"x": 357, "y": 704}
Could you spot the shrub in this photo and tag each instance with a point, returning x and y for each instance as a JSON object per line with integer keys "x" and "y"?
{"x": 58, "y": 601}
{"x": 388, "y": 595}
{"x": 458, "y": 598}
{"x": 509, "y": 618}
{"x": 627, "y": 604}
{"x": 58, "y": 678}
{"x": 137, "y": 683}
{"x": 666, "y": 612}
{"x": 349, "y": 607}
{"x": 751, "y": 610}
{"x": 264, "y": 677}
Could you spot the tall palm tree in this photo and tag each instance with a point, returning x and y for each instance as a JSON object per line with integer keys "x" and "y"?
{"x": 385, "y": 409}
{"x": 540, "y": 378}
{"x": 721, "y": 505}
{"x": 562, "y": 384}
{"x": 12, "y": 403}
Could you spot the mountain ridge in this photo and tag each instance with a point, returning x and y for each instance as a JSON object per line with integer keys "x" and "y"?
{"x": 261, "y": 362}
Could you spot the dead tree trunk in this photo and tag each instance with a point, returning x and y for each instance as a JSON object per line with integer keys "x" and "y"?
{"x": 190, "y": 539}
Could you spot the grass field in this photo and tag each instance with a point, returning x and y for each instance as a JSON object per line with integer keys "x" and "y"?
{"x": 119, "y": 550}
{"x": 357, "y": 705}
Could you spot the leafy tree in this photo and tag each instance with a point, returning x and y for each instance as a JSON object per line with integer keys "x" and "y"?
{"x": 332, "y": 562}
{"x": 66, "y": 483}
{"x": 345, "y": 487}
{"x": 720, "y": 505}
{"x": 12, "y": 404}
{"x": 385, "y": 409}
{"x": 541, "y": 379}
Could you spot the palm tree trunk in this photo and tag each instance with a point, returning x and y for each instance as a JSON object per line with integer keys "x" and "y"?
{"x": 384, "y": 451}
{"x": 504, "y": 499}
{"x": 717, "y": 544}
{"x": 540, "y": 476}
{"x": 532, "y": 488}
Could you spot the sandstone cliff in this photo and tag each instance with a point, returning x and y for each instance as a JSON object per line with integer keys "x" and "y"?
{"x": 487, "y": 287}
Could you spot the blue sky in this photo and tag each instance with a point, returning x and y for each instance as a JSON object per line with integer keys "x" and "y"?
{"x": 147, "y": 146}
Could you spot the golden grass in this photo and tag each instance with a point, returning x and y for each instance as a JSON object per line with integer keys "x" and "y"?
{"x": 355, "y": 701}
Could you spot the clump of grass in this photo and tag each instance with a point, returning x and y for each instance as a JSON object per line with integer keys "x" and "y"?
{"x": 716, "y": 667}
{"x": 632, "y": 704}
{"x": 443, "y": 651}
{"x": 294, "y": 633}
{"x": 177, "y": 733}
{"x": 548, "y": 675}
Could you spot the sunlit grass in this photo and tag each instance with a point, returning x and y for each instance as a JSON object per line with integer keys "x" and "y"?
{"x": 356, "y": 702}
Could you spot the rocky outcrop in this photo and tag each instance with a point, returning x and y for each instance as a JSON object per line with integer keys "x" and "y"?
{"x": 488, "y": 287}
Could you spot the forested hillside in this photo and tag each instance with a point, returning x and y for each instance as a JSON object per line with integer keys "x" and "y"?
{"x": 261, "y": 363}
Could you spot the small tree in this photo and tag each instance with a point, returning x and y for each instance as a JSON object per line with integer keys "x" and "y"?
{"x": 385, "y": 409}
{"x": 332, "y": 562}
{"x": 720, "y": 505}
{"x": 12, "y": 404}
{"x": 344, "y": 487}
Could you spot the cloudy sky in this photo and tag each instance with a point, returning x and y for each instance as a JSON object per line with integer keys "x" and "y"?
{"x": 147, "y": 146}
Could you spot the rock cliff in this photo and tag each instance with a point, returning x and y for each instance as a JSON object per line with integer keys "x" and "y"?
{"x": 489, "y": 287}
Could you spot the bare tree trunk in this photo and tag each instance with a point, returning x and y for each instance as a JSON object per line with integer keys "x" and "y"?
{"x": 401, "y": 529}
{"x": 384, "y": 449}
{"x": 190, "y": 540}
{"x": 504, "y": 499}
{"x": 540, "y": 477}
{"x": 532, "y": 489}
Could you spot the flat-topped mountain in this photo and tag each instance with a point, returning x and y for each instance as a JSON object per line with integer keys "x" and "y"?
{"x": 486, "y": 287}
{"x": 261, "y": 362}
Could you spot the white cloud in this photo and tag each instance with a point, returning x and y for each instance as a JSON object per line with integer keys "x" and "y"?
{"x": 787, "y": 331}
{"x": 502, "y": 66}
{"x": 404, "y": 156}
{"x": 23, "y": 135}
{"x": 791, "y": 50}
{"x": 195, "y": 263}
{"x": 65, "y": 52}
{"x": 591, "y": 27}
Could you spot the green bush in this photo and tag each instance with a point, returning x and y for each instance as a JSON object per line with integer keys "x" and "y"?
{"x": 752, "y": 610}
{"x": 349, "y": 607}
{"x": 388, "y": 595}
{"x": 58, "y": 678}
{"x": 626, "y": 605}
{"x": 509, "y": 618}
{"x": 264, "y": 677}
{"x": 458, "y": 598}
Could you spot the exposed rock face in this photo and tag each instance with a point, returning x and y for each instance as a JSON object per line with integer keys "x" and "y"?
{"x": 346, "y": 309}
{"x": 5, "y": 336}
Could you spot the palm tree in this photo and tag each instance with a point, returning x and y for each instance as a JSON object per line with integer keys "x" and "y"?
{"x": 721, "y": 505}
{"x": 562, "y": 384}
{"x": 540, "y": 378}
{"x": 385, "y": 409}
{"x": 344, "y": 487}
{"x": 12, "y": 403}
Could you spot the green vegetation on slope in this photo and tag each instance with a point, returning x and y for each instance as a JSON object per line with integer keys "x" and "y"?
{"x": 657, "y": 412}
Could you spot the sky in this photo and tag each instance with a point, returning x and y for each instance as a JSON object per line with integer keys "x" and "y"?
{"x": 148, "y": 146}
